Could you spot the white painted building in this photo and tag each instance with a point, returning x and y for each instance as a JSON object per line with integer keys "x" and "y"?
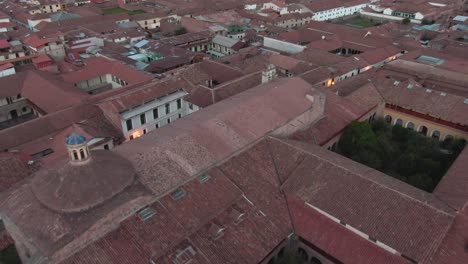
{"x": 337, "y": 12}
{"x": 7, "y": 69}
{"x": 155, "y": 114}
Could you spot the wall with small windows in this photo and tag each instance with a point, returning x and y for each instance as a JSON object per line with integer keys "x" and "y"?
{"x": 155, "y": 114}
{"x": 155, "y": 22}
{"x": 13, "y": 107}
{"x": 98, "y": 84}
{"x": 337, "y": 12}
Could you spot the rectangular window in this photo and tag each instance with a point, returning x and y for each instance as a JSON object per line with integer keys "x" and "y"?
{"x": 180, "y": 115}
{"x": 129, "y": 125}
{"x": 157, "y": 125}
{"x": 168, "y": 108}
{"x": 168, "y": 120}
{"x": 143, "y": 119}
{"x": 155, "y": 113}
{"x": 179, "y": 103}
{"x": 131, "y": 137}
{"x": 144, "y": 131}
{"x": 43, "y": 153}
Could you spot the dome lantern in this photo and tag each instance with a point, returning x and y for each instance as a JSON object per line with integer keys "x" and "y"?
{"x": 77, "y": 149}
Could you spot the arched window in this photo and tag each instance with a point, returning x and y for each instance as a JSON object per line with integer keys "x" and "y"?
{"x": 281, "y": 253}
{"x": 436, "y": 134}
{"x": 410, "y": 125}
{"x": 448, "y": 138}
{"x": 399, "y": 122}
{"x": 423, "y": 130}
{"x": 388, "y": 119}
{"x": 315, "y": 260}
{"x": 82, "y": 154}
{"x": 75, "y": 155}
{"x": 302, "y": 254}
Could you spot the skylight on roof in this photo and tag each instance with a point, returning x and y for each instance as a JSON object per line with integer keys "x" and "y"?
{"x": 428, "y": 90}
{"x": 466, "y": 101}
{"x": 410, "y": 86}
{"x": 178, "y": 194}
{"x": 443, "y": 94}
{"x": 430, "y": 60}
{"x": 396, "y": 83}
{"x": 204, "y": 178}
{"x": 146, "y": 213}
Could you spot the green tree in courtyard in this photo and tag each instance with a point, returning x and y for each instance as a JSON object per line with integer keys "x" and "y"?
{"x": 399, "y": 152}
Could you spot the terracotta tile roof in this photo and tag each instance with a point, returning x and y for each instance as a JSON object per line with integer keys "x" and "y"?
{"x": 335, "y": 239}
{"x": 210, "y": 70}
{"x": 98, "y": 66}
{"x": 380, "y": 54}
{"x": 57, "y": 230}
{"x": 213, "y": 134}
{"x": 36, "y": 42}
{"x": 451, "y": 189}
{"x": 41, "y": 58}
{"x": 4, "y": 44}
{"x": 6, "y": 66}
{"x": 37, "y": 88}
{"x": 11, "y": 85}
{"x": 194, "y": 219}
{"x": 45, "y": 125}
{"x": 236, "y": 86}
{"x": 413, "y": 96}
{"x": 145, "y": 93}
{"x": 318, "y": 75}
{"x": 13, "y": 169}
{"x": 339, "y": 112}
{"x": 363, "y": 197}
{"x": 453, "y": 247}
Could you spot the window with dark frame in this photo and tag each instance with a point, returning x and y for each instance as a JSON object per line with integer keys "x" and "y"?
{"x": 155, "y": 113}
{"x": 168, "y": 108}
{"x": 179, "y": 103}
{"x": 129, "y": 124}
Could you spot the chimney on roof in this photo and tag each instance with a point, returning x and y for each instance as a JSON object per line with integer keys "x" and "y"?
{"x": 269, "y": 73}
{"x": 77, "y": 149}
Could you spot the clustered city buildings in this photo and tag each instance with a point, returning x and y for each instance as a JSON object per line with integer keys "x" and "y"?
{"x": 203, "y": 131}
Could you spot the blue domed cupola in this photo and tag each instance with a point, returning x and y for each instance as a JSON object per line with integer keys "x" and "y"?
{"x": 75, "y": 139}
{"x": 77, "y": 149}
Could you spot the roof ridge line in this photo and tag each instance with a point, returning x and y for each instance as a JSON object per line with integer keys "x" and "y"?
{"x": 370, "y": 180}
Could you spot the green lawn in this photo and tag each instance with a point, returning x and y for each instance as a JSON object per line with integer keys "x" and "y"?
{"x": 362, "y": 24}
{"x": 117, "y": 10}
{"x": 359, "y": 22}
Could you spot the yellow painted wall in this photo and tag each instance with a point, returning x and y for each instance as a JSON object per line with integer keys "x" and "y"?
{"x": 431, "y": 126}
